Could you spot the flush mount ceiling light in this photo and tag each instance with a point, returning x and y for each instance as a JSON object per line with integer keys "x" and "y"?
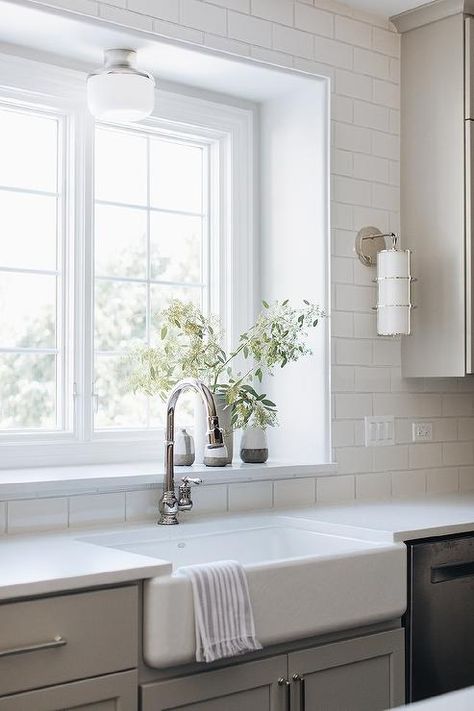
{"x": 120, "y": 92}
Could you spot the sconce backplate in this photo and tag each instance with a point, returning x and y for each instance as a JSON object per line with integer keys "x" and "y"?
{"x": 369, "y": 242}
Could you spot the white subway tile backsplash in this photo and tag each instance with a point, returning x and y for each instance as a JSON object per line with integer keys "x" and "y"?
{"x": 287, "y": 39}
{"x": 392, "y": 458}
{"x": 142, "y": 505}
{"x": 251, "y": 496}
{"x": 457, "y": 453}
{"x": 350, "y": 352}
{"x": 125, "y": 17}
{"x": 373, "y": 486}
{"x": 355, "y": 192}
{"x": 37, "y": 515}
{"x": 93, "y": 509}
{"x": 314, "y": 20}
{"x": 386, "y": 42}
{"x": 371, "y": 63}
{"x": 210, "y": 499}
{"x": 293, "y": 492}
{"x": 371, "y": 168}
{"x": 466, "y": 479}
{"x": 352, "y": 138}
{"x": 442, "y": 481}
{"x": 386, "y": 93}
{"x": 372, "y": 380}
{"x": 329, "y": 51}
{"x": 458, "y": 405}
{"x": 342, "y": 433}
{"x": 203, "y": 16}
{"x": 161, "y": 9}
{"x": 352, "y": 405}
{"x": 410, "y": 483}
{"x": 355, "y": 85}
{"x": 354, "y": 460}
{"x": 425, "y": 455}
{"x": 275, "y": 10}
{"x": 353, "y": 32}
{"x": 250, "y": 29}
{"x": 371, "y": 116}
{"x": 331, "y": 489}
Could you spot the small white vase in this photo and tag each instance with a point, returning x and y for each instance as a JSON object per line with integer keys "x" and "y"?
{"x": 254, "y": 446}
{"x": 200, "y": 428}
{"x": 183, "y": 450}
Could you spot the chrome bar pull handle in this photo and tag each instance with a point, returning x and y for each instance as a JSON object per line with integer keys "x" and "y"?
{"x": 299, "y": 678}
{"x": 40, "y": 646}
{"x": 287, "y": 684}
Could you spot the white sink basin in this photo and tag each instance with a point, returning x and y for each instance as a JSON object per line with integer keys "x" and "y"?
{"x": 249, "y": 546}
{"x": 302, "y": 582}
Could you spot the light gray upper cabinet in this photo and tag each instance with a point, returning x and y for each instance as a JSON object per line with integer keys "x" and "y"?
{"x": 436, "y": 163}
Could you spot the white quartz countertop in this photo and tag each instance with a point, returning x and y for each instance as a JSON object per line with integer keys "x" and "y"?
{"x": 462, "y": 700}
{"x": 41, "y": 564}
{"x": 397, "y": 519}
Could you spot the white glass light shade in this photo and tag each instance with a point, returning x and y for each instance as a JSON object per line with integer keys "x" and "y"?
{"x": 393, "y": 292}
{"x": 120, "y": 96}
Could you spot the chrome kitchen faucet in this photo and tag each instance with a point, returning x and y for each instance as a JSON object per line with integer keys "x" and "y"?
{"x": 170, "y": 505}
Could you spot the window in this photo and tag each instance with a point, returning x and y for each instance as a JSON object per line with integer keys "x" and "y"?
{"x": 151, "y": 245}
{"x": 33, "y": 352}
{"x": 100, "y": 225}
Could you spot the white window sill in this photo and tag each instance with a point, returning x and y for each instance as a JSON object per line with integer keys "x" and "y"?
{"x": 94, "y": 479}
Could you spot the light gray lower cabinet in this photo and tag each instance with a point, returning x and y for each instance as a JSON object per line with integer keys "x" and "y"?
{"x": 360, "y": 674}
{"x": 251, "y": 686}
{"x": 115, "y": 692}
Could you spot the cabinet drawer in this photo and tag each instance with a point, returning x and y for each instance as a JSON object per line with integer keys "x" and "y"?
{"x": 52, "y": 640}
{"x": 116, "y": 692}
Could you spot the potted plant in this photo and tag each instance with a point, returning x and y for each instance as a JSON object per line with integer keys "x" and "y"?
{"x": 190, "y": 345}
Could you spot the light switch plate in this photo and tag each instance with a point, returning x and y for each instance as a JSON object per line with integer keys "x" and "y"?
{"x": 422, "y": 431}
{"x": 379, "y": 431}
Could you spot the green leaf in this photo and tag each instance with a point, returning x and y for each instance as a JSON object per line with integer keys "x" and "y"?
{"x": 285, "y": 303}
{"x": 246, "y": 352}
{"x": 266, "y": 305}
{"x": 315, "y": 322}
{"x": 306, "y": 302}
{"x": 269, "y": 403}
{"x": 164, "y": 331}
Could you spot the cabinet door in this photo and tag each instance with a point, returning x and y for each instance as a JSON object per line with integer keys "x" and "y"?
{"x": 115, "y": 692}
{"x": 252, "y": 686}
{"x": 362, "y": 674}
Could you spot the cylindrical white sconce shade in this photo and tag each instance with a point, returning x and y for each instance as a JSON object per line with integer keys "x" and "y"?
{"x": 393, "y": 292}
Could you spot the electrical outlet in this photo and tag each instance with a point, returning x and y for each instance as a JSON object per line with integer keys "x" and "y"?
{"x": 379, "y": 431}
{"x": 422, "y": 431}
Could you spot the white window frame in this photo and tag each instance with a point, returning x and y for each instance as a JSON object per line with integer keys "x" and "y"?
{"x": 230, "y": 131}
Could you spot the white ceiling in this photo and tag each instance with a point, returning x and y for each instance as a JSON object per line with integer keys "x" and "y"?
{"x": 387, "y": 8}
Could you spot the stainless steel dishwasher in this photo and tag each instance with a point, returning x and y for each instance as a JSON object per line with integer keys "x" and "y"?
{"x": 440, "y": 616}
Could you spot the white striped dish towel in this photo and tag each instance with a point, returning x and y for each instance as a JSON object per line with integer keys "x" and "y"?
{"x": 222, "y": 610}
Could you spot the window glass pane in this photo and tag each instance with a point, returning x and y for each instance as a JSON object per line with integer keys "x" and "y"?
{"x": 117, "y": 406}
{"x": 27, "y": 391}
{"x": 27, "y": 310}
{"x": 28, "y": 150}
{"x": 120, "y": 241}
{"x": 120, "y": 314}
{"x": 160, "y": 297}
{"x": 27, "y": 230}
{"x": 120, "y": 167}
{"x": 175, "y": 176}
{"x": 175, "y": 244}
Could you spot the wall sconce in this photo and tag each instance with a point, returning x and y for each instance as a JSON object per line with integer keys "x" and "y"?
{"x": 393, "y": 280}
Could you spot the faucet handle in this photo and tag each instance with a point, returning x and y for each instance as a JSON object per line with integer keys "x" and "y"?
{"x": 187, "y": 480}
{"x": 184, "y": 493}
